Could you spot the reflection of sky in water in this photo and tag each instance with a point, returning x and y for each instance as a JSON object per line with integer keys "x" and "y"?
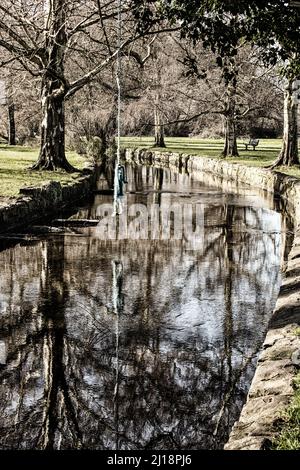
{"x": 190, "y": 326}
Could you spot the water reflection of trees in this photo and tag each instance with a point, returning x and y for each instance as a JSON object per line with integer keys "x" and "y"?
{"x": 187, "y": 330}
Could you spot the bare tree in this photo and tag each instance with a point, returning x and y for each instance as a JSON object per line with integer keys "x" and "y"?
{"x": 20, "y": 109}
{"x": 46, "y": 36}
{"x": 245, "y": 91}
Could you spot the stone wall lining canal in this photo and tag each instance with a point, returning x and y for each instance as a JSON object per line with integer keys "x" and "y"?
{"x": 36, "y": 203}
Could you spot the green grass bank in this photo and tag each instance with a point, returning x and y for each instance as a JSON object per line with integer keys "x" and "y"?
{"x": 264, "y": 155}
{"x": 15, "y": 174}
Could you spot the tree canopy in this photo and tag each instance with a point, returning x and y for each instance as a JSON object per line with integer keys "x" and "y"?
{"x": 222, "y": 24}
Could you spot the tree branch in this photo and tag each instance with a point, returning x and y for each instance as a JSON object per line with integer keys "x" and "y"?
{"x": 81, "y": 82}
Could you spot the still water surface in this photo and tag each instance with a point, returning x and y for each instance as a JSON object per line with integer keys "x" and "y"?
{"x": 137, "y": 344}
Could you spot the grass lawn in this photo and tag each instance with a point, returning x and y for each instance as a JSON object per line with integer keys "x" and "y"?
{"x": 289, "y": 437}
{"x": 15, "y": 161}
{"x": 14, "y": 173}
{"x": 266, "y": 152}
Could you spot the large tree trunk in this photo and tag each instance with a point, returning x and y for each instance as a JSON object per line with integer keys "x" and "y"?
{"x": 11, "y": 123}
{"x": 52, "y": 154}
{"x": 159, "y": 127}
{"x": 230, "y": 145}
{"x": 289, "y": 154}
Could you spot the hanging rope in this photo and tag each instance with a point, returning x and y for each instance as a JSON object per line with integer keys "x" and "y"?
{"x": 116, "y": 265}
{"x": 117, "y": 272}
{"x": 118, "y": 79}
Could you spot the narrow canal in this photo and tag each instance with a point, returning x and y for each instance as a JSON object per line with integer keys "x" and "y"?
{"x": 138, "y": 343}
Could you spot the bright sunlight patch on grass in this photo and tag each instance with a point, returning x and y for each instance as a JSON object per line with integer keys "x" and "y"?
{"x": 15, "y": 173}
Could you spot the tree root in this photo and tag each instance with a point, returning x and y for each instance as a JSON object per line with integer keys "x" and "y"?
{"x": 280, "y": 161}
{"x": 159, "y": 146}
{"x": 50, "y": 166}
{"x": 226, "y": 155}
